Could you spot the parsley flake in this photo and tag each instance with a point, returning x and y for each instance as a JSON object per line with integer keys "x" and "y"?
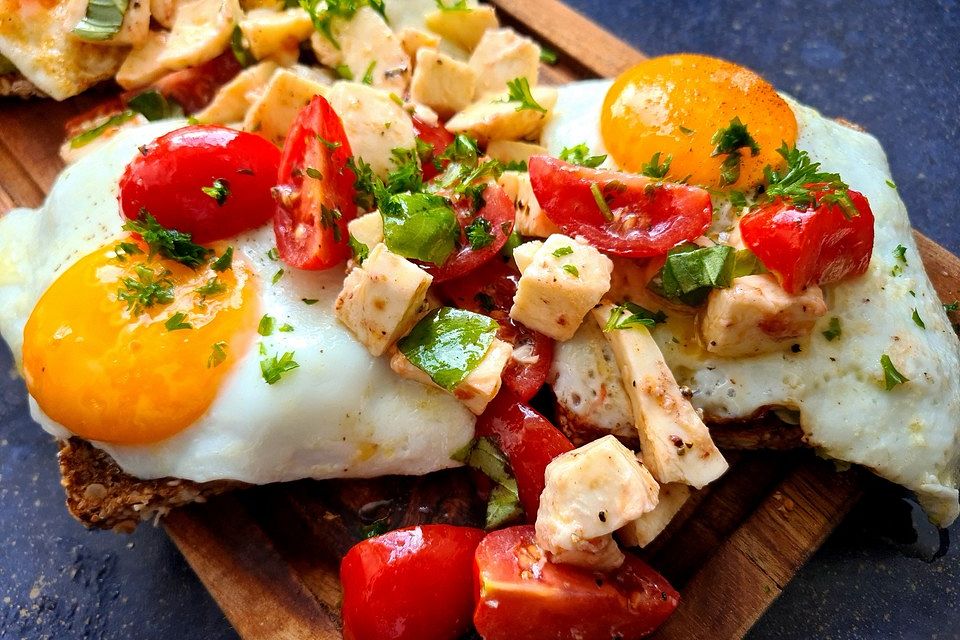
{"x": 572, "y": 270}
{"x": 146, "y": 290}
{"x": 952, "y": 307}
{"x": 220, "y": 191}
{"x": 286, "y": 328}
{"x": 456, "y": 5}
{"x": 224, "y": 262}
{"x": 562, "y": 251}
{"x": 212, "y": 287}
{"x": 478, "y": 233}
{"x": 359, "y": 249}
{"x": 629, "y": 315}
{"x": 655, "y": 169}
{"x": 917, "y": 320}
{"x": 368, "y": 75}
{"x": 833, "y": 330}
{"x": 176, "y": 322}
{"x": 273, "y": 367}
{"x": 580, "y": 155}
{"x": 309, "y": 301}
{"x": 169, "y": 243}
{"x": 218, "y": 354}
{"x": 519, "y": 91}
{"x": 267, "y": 325}
{"x": 547, "y": 55}
{"x": 601, "y": 202}
{"x": 729, "y": 141}
{"x": 124, "y": 249}
{"x": 276, "y": 277}
{"x": 802, "y": 182}
{"x": 891, "y": 377}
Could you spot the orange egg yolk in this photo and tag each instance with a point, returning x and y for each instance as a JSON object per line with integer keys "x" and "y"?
{"x": 675, "y": 104}
{"x": 132, "y": 350}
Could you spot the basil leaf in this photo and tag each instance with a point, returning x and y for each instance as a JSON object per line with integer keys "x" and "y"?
{"x": 90, "y": 135}
{"x": 504, "y": 504}
{"x": 629, "y": 314}
{"x": 448, "y": 344}
{"x": 503, "y": 507}
{"x": 891, "y": 377}
{"x": 419, "y": 225}
{"x": 153, "y": 105}
{"x": 102, "y": 20}
{"x": 690, "y": 273}
{"x": 747, "y": 264}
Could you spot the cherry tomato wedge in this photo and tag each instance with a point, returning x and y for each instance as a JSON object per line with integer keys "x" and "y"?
{"x": 410, "y": 584}
{"x": 209, "y": 181}
{"x": 315, "y": 194}
{"x": 496, "y": 217}
{"x": 490, "y": 290}
{"x": 644, "y": 218}
{"x": 528, "y": 440}
{"x": 193, "y": 88}
{"x": 817, "y": 245}
{"x": 437, "y": 136}
{"x": 520, "y": 596}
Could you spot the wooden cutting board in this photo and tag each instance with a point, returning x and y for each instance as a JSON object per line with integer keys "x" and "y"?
{"x": 269, "y": 555}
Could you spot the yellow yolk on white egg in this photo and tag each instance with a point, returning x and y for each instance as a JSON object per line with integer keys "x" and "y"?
{"x": 131, "y": 350}
{"x": 673, "y": 105}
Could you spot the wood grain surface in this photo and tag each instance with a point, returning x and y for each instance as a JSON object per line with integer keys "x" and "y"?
{"x": 269, "y": 555}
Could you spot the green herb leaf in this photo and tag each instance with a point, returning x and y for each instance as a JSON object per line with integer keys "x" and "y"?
{"x": 478, "y": 233}
{"x": 276, "y": 277}
{"x": 309, "y": 301}
{"x": 153, "y": 105}
{"x": 360, "y": 250}
{"x": 519, "y": 91}
{"x": 891, "y": 377}
{"x": 272, "y": 368}
{"x": 419, "y": 225}
{"x": 266, "y": 326}
{"x": 240, "y": 49}
{"x": 747, "y": 264}
{"x": 88, "y": 136}
{"x": 952, "y": 307}
{"x": 729, "y": 141}
{"x": 504, "y": 504}
{"x": 323, "y": 13}
{"x": 368, "y": 74}
{"x": 220, "y": 191}
{"x": 463, "y": 150}
{"x": 407, "y": 175}
{"x": 147, "y": 289}
{"x": 562, "y": 251}
{"x": 217, "y": 355}
{"x": 547, "y": 56}
{"x": 455, "y": 5}
{"x": 102, "y": 20}
{"x": 169, "y": 243}
{"x": 515, "y": 165}
{"x": 125, "y": 249}
{"x": 655, "y": 169}
{"x": 503, "y": 507}
{"x": 690, "y": 272}
{"x": 917, "y": 320}
{"x": 891, "y": 184}
{"x": 343, "y": 72}
{"x": 571, "y": 269}
{"x": 448, "y": 344}
{"x": 833, "y": 330}
{"x": 224, "y": 262}
{"x": 794, "y": 183}
{"x": 176, "y": 322}
{"x": 601, "y": 202}
{"x": 286, "y": 328}
{"x": 514, "y": 240}
{"x": 374, "y": 529}
{"x": 628, "y": 315}
{"x": 580, "y": 155}
{"x": 213, "y": 287}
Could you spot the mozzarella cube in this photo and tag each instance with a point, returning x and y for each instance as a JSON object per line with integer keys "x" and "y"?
{"x": 756, "y": 315}
{"x": 478, "y": 388}
{"x": 268, "y": 31}
{"x": 442, "y": 83}
{"x": 413, "y": 39}
{"x": 676, "y": 444}
{"x": 272, "y": 114}
{"x": 367, "y": 229}
{"x": 382, "y": 300}
{"x": 373, "y": 122}
{"x": 643, "y": 530}
{"x": 201, "y": 31}
{"x": 366, "y": 42}
{"x": 513, "y": 151}
{"x": 163, "y": 11}
{"x": 326, "y": 52}
{"x": 530, "y": 218}
{"x": 494, "y": 117}
{"x": 463, "y": 28}
{"x": 524, "y": 254}
{"x": 234, "y": 99}
{"x": 502, "y": 55}
{"x": 591, "y": 492}
{"x": 563, "y": 281}
{"x": 141, "y": 66}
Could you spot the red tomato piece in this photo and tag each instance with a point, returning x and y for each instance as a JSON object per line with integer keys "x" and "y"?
{"x": 437, "y": 136}
{"x": 490, "y": 290}
{"x": 194, "y": 87}
{"x": 410, "y": 584}
{"x": 648, "y": 217}
{"x": 528, "y": 440}
{"x": 817, "y": 245}
{"x": 170, "y": 174}
{"x": 521, "y": 596}
{"x": 498, "y": 212}
{"x": 315, "y": 195}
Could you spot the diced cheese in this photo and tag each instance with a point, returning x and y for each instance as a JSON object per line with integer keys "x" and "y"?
{"x": 502, "y": 55}
{"x": 563, "y": 281}
{"x": 478, "y": 388}
{"x": 268, "y": 32}
{"x": 530, "y": 218}
{"x": 326, "y": 52}
{"x": 589, "y": 493}
{"x": 513, "y": 151}
{"x": 163, "y": 11}
{"x": 233, "y": 100}
{"x": 463, "y": 27}
{"x": 365, "y": 40}
{"x": 643, "y": 530}
{"x": 494, "y": 117}
{"x": 277, "y": 107}
{"x": 413, "y": 39}
{"x": 374, "y": 123}
{"x": 676, "y": 444}
{"x": 141, "y": 66}
{"x": 524, "y": 254}
{"x": 382, "y": 300}
{"x": 442, "y": 83}
{"x": 367, "y": 229}
{"x": 201, "y": 31}
{"x": 756, "y": 315}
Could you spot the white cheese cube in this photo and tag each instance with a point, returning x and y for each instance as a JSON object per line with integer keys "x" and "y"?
{"x": 413, "y": 39}
{"x": 530, "y": 218}
{"x": 326, "y": 52}
{"x": 502, "y": 55}
{"x": 141, "y": 66}
{"x": 513, "y": 151}
{"x": 524, "y": 254}
{"x": 201, "y": 31}
{"x": 367, "y": 229}
{"x": 272, "y": 114}
{"x": 365, "y": 42}
{"x": 163, "y": 11}
{"x": 478, "y": 388}
{"x": 643, "y": 530}
{"x": 464, "y": 28}
{"x": 373, "y": 122}
{"x": 560, "y": 285}
{"x": 494, "y": 117}
{"x": 591, "y": 492}
{"x": 382, "y": 300}
{"x": 234, "y": 99}
{"x": 676, "y": 444}
{"x": 267, "y": 31}
{"x": 442, "y": 83}
{"x": 756, "y": 315}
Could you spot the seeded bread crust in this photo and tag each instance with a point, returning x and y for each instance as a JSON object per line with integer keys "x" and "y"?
{"x": 102, "y": 496}
{"x": 14, "y": 84}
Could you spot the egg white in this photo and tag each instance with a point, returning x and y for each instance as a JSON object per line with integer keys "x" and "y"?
{"x": 910, "y": 434}
{"x": 342, "y": 413}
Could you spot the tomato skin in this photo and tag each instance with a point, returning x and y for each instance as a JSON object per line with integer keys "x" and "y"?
{"x": 438, "y": 137}
{"x": 306, "y": 238}
{"x": 562, "y": 602}
{"x": 490, "y": 290}
{"x": 650, "y": 217}
{"x": 528, "y": 440}
{"x": 498, "y": 210}
{"x": 194, "y": 87}
{"x": 819, "y": 245}
{"x": 410, "y": 584}
{"x": 168, "y": 176}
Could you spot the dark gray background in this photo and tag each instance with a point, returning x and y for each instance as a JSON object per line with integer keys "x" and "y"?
{"x": 893, "y": 67}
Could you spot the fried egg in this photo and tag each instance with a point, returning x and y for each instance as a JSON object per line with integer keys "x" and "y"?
{"x": 195, "y": 404}
{"x": 908, "y": 434}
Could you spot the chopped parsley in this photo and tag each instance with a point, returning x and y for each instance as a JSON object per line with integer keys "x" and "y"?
{"x": 365, "y": 183}
{"x": 891, "y": 184}
{"x": 153, "y": 105}
{"x": 360, "y": 250}
{"x": 455, "y": 5}
{"x": 220, "y": 191}
{"x": 125, "y": 249}
{"x": 580, "y": 155}
{"x": 900, "y": 254}
{"x": 309, "y": 301}
{"x": 407, "y": 175}
{"x": 572, "y": 270}
{"x": 169, "y": 243}
{"x": 833, "y": 330}
{"x": 329, "y": 219}
{"x": 313, "y": 173}
{"x": 891, "y": 377}
{"x": 323, "y": 12}
{"x": 286, "y": 328}
{"x": 629, "y": 314}
{"x": 343, "y": 71}
{"x": 332, "y": 146}
{"x": 478, "y": 233}
{"x": 276, "y": 277}
{"x": 601, "y": 202}
{"x": 273, "y": 254}
{"x": 368, "y": 74}
{"x": 917, "y": 320}
{"x": 562, "y": 251}
{"x": 240, "y": 49}
{"x": 804, "y": 184}
{"x": 272, "y": 367}
{"x": 224, "y": 262}
{"x": 729, "y": 141}
{"x": 212, "y": 287}
{"x": 519, "y": 91}
{"x": 176, "y": 322}
{"x": 146, "y": 290}
{"x": 655, "y": 169}
{"x": 547, "y": 55}
{"x": 267, "y": 325}
{"x": 217, "y": 355}
{"x": 952, "y": 307}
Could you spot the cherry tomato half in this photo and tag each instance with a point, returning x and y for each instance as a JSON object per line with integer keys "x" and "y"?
{"x": 647, "y": 218}
{"x": 410, "y": 584}
{"x": 209, "y": 181}
{"x": 315, "y": 194}
{"x": 437, "y": 136}
{"x": 817, "y": 245}
{"x": 520, "y": 596}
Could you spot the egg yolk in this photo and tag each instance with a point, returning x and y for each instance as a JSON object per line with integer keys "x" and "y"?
{"x": 675, "y": 104}
{"x": 133, "y": 349}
